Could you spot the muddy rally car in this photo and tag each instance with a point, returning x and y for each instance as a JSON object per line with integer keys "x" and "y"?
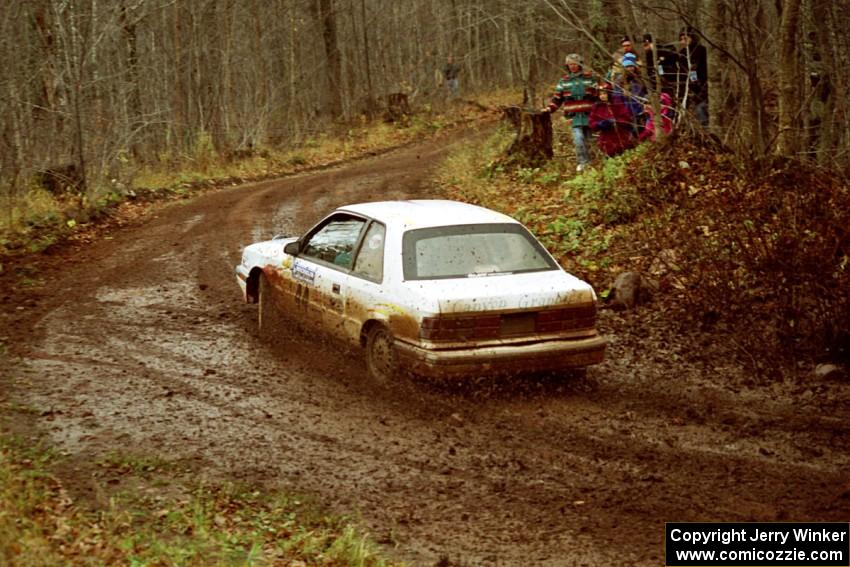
{"x": 436, "y": 288}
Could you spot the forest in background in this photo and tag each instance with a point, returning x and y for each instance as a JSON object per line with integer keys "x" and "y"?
{"x": 97, "y": 89}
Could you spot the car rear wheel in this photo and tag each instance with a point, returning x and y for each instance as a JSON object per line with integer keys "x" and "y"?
{"x": 381, "y": 357}
{"x": 268, "y": 315}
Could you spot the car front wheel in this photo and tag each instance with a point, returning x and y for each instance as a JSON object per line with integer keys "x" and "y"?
{"x": 381, "y": 357}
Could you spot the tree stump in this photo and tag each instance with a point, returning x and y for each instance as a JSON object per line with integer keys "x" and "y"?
{"x": 533, "y": 143}
{"x": 398, "y": 108}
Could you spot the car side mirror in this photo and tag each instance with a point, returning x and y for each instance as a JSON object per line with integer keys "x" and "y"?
{"x": 293, "y": 248}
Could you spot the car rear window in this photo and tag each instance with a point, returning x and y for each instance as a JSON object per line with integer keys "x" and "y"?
{"x": 472, "y": 250}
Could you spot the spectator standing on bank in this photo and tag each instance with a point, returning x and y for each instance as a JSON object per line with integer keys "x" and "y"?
{"x": 616, "y": 72}
{"x": 612, "y": 122}
{"x": 693, "y": 65}
{"x": 627, "y": 47}
{"x": 662, "y": 69}
{"x": 632, "y": 90}
{"x": 451, "y": 71}
{"x": 576, "y": 92}
{"x": 667, "y": 116}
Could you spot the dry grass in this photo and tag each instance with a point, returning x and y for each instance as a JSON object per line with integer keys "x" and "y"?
{"x": 198, "y": 524}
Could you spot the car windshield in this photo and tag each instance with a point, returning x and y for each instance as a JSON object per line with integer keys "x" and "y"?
{"x": 472, "y": 250}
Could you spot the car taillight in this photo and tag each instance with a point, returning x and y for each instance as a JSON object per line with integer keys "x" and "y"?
{"x": 508, "y": 325}
{"x": 567, "y": 319}
{"x": 472, "y": 327}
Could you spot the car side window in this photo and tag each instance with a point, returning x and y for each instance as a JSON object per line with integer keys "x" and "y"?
{"x": 334, "y": 242}
{"x": 370, "y": 259}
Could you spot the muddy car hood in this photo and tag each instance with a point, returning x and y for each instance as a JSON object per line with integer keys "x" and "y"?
{"x": 264, "y": 253}
{"x": 537, "y": 290}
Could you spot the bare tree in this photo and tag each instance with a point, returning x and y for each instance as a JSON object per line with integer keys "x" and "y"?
{"x": 110, "y": 86}
{"x": 789, "y": 74}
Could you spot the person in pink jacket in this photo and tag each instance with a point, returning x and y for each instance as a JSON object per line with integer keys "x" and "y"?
{"x": 612, "y": 122}
{"x": 667, "y": 115}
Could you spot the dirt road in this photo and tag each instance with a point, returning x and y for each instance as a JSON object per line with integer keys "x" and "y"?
{"x": 140, "y": 343}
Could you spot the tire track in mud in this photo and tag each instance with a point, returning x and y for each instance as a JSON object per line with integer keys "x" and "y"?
{"x": 147, "y": 348}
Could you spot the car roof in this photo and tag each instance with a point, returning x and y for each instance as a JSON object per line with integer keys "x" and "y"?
{"x": 427, "y": 213}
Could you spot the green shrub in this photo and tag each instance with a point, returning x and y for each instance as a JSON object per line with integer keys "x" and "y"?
{"x": 604, "y": 196}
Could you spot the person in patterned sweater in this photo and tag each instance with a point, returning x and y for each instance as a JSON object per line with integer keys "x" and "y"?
{"x": 575, "y": 92}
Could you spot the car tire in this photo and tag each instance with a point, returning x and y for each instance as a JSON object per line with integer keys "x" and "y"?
{"x": 268, "y": 317}
{"x": 381, "y": 356}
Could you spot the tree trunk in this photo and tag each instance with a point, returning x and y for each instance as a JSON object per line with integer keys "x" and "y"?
{"x": 48, "y": 99}
{"x": 787, "y": 142}
{"x": 369, "y": 90}
{"x": 832, "y": 81}
{"x": 533, "y": 56}
{"x": 718, "y": 66}
{"x": 292, "y": 113}
{"x": 755, "y": 141}
{"x": 327, "y": 21}
{"x": 134, "y": 102}
{"x": 756, "y": 117}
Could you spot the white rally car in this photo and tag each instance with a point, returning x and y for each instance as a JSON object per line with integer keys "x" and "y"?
{"x": 437, "y": 288}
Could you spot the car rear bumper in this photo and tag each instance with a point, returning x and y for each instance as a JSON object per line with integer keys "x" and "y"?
{"x": 539, "y": 356}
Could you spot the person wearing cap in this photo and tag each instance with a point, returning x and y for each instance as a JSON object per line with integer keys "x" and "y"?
{"x": 627, "y": 47}
{"x": 629, "y": 60}
{"x": 631, "y": 90}
{"x": 575, "y": 92}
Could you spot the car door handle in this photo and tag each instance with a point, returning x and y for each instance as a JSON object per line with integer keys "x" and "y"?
{"x": 335, "y": 288}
